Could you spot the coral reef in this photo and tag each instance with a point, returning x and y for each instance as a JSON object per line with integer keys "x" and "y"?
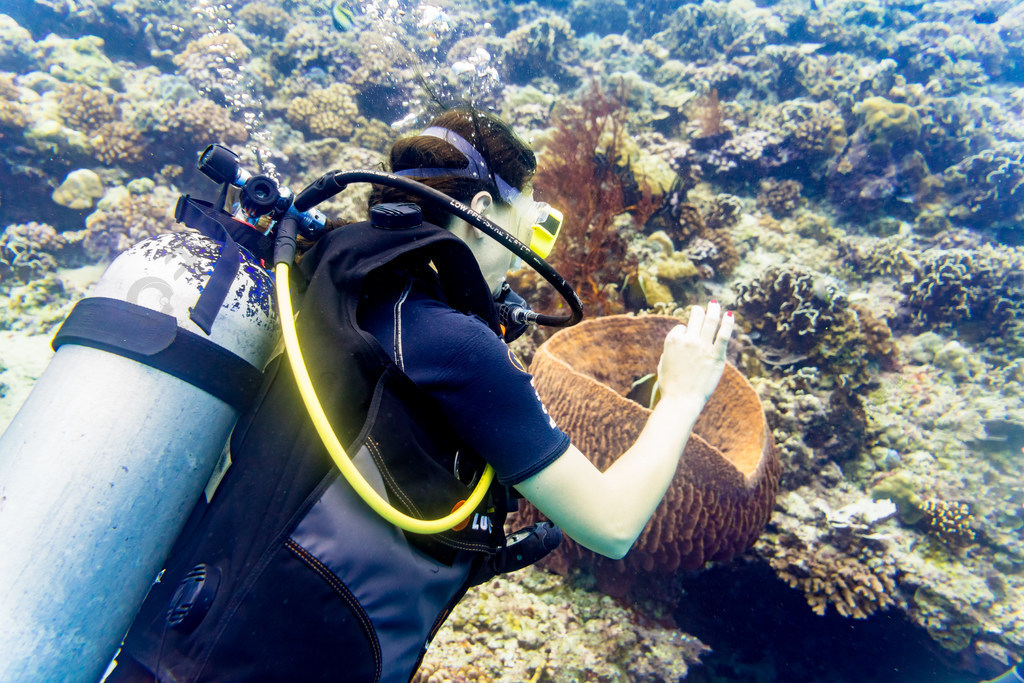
{"x": 122, "y": 219}
{"x": 801, "y": 319}
{"x": 544, "y": 48}
{"x": 987, "y": 188}
{"x": 977, "y": 292}
{"x": 722, "y": 493}
{"x": 854, "y": 587}
{"x": 27, "y": 252}
{"x": 869, "y": 240}
{"x": 326, "y": 112}
{"x": 534, "y": 626}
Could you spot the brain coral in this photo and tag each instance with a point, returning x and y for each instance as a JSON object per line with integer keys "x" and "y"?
{"x": 726, "y": 481}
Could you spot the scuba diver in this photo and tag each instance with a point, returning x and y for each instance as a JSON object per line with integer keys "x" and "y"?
{"x": 282, "y": 572}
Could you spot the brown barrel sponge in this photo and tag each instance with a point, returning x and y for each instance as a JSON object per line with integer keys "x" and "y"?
{"x": 727, "y": 478}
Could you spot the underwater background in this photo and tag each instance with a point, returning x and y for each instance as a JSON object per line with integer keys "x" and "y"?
{"x": 847, "y": 175}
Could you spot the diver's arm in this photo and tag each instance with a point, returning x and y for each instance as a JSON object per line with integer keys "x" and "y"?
{"x": 606, "y": 511}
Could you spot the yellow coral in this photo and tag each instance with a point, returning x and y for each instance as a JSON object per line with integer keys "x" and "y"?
{"x": 886, "y": 122}
{"x": 326, "y": 112}
{"x": 86, "y": 109}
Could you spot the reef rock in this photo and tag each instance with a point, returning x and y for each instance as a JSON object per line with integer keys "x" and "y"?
{"x": 726, "y": 481}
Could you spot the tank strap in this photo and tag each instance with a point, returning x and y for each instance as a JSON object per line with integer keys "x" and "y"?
{"x": 220, "y": 226}
{"x": 154, "y": 339}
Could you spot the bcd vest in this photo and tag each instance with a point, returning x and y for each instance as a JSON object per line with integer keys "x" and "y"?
{"x": 299, "y": 579}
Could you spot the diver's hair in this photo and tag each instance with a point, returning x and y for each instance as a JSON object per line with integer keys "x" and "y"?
{"x": 505, "y": 153}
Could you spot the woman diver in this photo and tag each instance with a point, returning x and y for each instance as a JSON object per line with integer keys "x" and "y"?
{"x": 285, "y": 574}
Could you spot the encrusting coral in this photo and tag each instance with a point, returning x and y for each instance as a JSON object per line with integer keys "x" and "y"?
{"x": 725, "y": 483}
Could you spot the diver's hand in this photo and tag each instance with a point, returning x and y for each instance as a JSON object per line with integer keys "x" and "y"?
{"x": 694, "y": 355}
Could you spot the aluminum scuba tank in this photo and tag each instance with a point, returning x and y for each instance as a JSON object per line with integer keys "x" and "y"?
{"x": 103, "y": 463}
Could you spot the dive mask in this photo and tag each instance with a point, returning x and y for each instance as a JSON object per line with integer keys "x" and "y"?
{"x": 543, "y": 220}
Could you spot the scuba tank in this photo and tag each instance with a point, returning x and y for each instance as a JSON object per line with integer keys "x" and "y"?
{"x": 103, "y": 463}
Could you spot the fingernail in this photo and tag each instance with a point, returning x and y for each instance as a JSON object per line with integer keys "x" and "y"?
{"x": 714, "y": 301}
{"x": 728, "y": 314}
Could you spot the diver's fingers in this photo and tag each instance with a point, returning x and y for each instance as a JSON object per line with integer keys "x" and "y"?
{"x": 711, "y": 319}
{"x": 696, "y": 322}
{"x": 724, "y": 332}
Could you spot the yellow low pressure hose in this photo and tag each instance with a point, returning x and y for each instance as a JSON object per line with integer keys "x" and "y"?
{"x": 337, "y": 451}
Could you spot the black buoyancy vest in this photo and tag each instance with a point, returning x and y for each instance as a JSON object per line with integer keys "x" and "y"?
{"x": 313, "y": 585}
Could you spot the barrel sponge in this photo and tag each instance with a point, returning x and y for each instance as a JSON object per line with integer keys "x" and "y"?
{"x": 727, "y": 478}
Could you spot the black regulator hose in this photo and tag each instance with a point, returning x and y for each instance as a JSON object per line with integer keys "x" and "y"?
{"x": 334, "y": 182}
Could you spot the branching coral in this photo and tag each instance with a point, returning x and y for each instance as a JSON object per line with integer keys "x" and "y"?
{"x": 855, "y": 586}
{"x": 98, "y": 114}
{"x": 212, "y": 61}
{"x": 85, "y": 109}
{"x": 746, "y": 155}
{"x": 118, "y": 142}
{"x": 205, "y": 120}
{"x": 435, "y": 673}
{"x": 581, "y": 174}
{"x": 326, "y": 112}
{"x": 780, "y": 198}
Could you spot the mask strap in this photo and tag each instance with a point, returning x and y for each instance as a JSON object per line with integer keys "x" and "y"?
{"x": 476, "y": 168}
